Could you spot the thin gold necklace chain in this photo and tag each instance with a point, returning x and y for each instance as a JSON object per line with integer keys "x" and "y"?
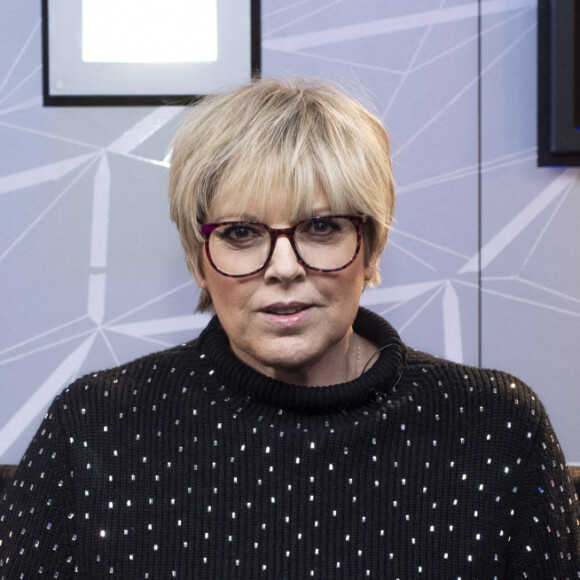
{"x": 357, "y": 363}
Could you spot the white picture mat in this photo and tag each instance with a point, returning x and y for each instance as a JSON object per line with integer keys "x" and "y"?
{"x": 149, "y": 31}
{"x": 70, "y": 75}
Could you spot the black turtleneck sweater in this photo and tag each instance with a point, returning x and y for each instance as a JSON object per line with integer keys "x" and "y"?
{"x": 189, "y": 464}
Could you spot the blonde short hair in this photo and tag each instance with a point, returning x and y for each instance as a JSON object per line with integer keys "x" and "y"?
{"x": 299, "y": 133}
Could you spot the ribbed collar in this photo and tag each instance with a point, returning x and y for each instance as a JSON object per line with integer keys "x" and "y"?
{"x": 380, "y": 378}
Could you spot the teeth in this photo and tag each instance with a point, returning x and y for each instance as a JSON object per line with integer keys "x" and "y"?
{"x": 289, "y": 310}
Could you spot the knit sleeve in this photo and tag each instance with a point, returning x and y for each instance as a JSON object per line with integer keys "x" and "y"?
{"x": 545, "y": 540}
{"x": 37, "y": 519}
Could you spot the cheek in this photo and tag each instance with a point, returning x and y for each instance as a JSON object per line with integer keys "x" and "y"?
{"x": 209, "y": 279}
{"x": 344, "y": 290}
{"x": 231, "y": 296}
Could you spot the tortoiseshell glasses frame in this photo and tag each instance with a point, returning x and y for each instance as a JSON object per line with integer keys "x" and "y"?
{"x": 275, "y": 233}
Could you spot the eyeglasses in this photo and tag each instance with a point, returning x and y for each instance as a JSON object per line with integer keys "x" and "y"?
{"x": 324, "y": 244}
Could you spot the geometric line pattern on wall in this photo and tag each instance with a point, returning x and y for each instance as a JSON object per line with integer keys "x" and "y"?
{"x": 99, "y": 268}
{"x": 558, "y": 188}
{"x": 70, "y": 367}
{"x": 372, "y": 28}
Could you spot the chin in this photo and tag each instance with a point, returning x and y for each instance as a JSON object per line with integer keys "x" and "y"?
{"x": 290, "y": 359}
{"x": 287, "y": 362}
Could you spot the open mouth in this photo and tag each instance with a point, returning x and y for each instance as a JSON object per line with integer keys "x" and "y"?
{"x": 285, "y": 309}
{"x": 288, "y": 316}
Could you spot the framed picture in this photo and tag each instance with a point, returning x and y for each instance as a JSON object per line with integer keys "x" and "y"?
{"x": 146, "y": 52}
{"x": 558, "y": 82}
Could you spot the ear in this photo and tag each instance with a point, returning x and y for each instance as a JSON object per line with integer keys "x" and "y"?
{"x": 200, "y": 280}
{"x": 198, "y": 275}
{"x": 370, "y": 270}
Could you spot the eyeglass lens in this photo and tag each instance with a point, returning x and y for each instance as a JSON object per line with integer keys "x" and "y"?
{"x": 326, "y": 243}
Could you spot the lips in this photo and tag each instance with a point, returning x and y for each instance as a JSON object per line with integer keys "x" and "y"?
{"x": 287, "y": 315}
{"x": 282, "y": 309}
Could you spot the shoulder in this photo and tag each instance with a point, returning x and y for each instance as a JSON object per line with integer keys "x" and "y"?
{"x": 473, "y": 390}
{"x": 143, "y": 376}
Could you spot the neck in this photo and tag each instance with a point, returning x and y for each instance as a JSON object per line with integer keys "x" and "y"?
{"x": 341, "y": 365}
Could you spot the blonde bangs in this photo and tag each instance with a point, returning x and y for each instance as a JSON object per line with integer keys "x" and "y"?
{"x": 259, "y": 187}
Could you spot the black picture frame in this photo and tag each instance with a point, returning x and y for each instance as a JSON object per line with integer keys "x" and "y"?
{"x": 64, "y": 98}
{"x": 558, "y": 83}
{"x": 577, "y": 67}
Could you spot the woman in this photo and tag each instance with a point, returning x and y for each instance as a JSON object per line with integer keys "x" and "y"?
{"x": 297, "y": 437}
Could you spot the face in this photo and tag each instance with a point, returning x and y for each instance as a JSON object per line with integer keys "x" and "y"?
{"x": 288, "y": 322}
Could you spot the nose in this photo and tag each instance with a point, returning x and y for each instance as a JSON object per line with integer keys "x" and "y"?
{"x": 284, "y": 264}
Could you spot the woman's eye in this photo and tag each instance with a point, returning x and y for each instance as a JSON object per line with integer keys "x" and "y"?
{"x": 237, "y": 232}
{"x": 323, "y": 226}
{"x": 240, "y": 234}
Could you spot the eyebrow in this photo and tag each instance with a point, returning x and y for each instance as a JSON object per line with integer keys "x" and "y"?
{"x": 252, "y": 218}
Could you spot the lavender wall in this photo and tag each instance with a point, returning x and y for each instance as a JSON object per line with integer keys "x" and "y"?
{"x": 91, "y": 269}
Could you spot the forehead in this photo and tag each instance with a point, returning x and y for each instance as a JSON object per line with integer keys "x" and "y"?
{"x": 275, "y": 204}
